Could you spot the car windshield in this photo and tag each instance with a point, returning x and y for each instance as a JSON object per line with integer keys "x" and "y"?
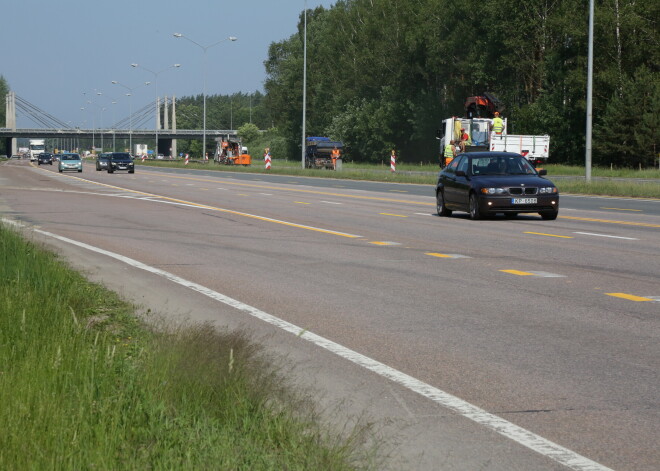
{"x": 501, "y": 165}
{"x": 71, "y": 157}
{"x": 121, "y": 156}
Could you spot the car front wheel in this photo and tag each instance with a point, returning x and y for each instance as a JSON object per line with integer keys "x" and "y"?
{"x": 474, "y": 207}
{"x": 440, "y": 205}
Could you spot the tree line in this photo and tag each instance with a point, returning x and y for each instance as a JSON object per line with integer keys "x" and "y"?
{"x": 382, "y": 74}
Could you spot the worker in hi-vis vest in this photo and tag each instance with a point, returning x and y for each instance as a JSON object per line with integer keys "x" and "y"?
{"x": 335, "y": 156}
{"x": 498, "y": 124}
{"x": 449, "y": 154}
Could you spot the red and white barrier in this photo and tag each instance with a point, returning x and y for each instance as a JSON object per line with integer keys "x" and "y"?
{"x": 393, "y": 162}
{"x": 144, "y": 156}
{"x": 186, "y": 160}
{"x": 267, "y": 160}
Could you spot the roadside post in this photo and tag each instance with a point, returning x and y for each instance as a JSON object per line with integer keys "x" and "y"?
{"x": 393, "y": 161}
{"x": 267, "y": 158}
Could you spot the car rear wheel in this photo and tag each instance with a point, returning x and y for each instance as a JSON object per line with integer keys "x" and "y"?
{"x": 440, "y": 204}
{"x": 549, "y": 215}
{"x": 474, "y": 207}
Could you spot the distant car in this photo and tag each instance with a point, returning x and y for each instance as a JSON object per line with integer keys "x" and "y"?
{"x": 15, "y": 156}
{"x": 70, "y": 162}
{"x": 120, "y": 161}
{"x": 102, "y": 161}
{"x": 45, "y": 158}
{"x": 486, "y": 183}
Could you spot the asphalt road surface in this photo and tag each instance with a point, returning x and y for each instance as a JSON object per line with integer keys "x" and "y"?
{"x": 497, "y": 344}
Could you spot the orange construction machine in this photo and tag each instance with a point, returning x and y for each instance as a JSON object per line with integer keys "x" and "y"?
{"x": 231, "y": 152}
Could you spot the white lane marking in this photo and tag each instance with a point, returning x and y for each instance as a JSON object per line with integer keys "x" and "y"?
{"x": 424, "y": 214}
{"x": 331, "y": 202}
{"x": 505, "y": 428}
{"x": 545, "y": 274}
{"x": 605, "y": 235}
{"x": 446, "y": 255}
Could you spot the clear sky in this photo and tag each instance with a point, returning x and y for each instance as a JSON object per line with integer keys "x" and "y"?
{"x": 53, "y": 52}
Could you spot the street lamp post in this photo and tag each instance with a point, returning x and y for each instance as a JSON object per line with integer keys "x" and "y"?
{"x": 114, "y": 126}
{"x": 101, "y": 122}
{"x": 130, "y": 107}
{"x": 155, "y": 74}
{"x": 93, "y": 128}
{"x": 204, "y": 48}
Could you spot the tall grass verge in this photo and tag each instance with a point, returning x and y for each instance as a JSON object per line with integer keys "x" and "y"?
{"x": 84, "y": 385}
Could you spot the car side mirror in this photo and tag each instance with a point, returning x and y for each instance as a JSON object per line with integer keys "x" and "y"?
{"x": 542, "y": 171}
{"x": 460, "y": 173}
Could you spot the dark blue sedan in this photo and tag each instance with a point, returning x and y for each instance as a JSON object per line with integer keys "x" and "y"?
{"x": 486, "y": 183}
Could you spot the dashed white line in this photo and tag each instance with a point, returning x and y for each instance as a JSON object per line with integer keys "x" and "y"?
{"x": 605, "y": 235}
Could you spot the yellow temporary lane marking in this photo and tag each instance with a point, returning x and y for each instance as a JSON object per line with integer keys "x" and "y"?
{"x": 629, "y": 297}
{"x": 623, "y": 209}
{"x": 300, "y": 190}
{"x": 301, "y": 202}
{"x": 377, "y": 242}
{"x": 446, "y": 255}
{"x": 608, "y": 221}
{"x": 395, "y": 215}
{"x": 517, "y": 272}
{"x": 398, "y": 191}
{"x": 549, "y": 235}
{"x": 223, "y": 210}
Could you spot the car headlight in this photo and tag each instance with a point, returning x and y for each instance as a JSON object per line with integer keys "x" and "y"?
{"x": 493, "y": 191}
{"x": 548, "y": 190}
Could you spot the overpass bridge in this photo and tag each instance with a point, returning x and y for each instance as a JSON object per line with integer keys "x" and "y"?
{"x": 165, "y": 136}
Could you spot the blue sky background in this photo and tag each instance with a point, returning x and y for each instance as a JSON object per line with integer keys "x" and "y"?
{"x": 51, "y": 52}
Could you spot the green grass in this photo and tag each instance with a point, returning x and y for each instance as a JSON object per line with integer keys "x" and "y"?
{"x": 611, "y": 172}
{"x": 85, "y": 385}
{"x": 427, "y": 175}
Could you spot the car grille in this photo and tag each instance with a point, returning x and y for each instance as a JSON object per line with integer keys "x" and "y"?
{"x": 523, "y": 191}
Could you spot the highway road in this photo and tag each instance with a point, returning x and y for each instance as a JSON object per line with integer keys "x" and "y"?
{"x": 497, "y": 344}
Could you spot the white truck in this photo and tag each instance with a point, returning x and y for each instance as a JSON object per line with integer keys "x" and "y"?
{"x": 534, "y": 148}
{"x": 36, "y": 147}
{"x": 140, "y": 150}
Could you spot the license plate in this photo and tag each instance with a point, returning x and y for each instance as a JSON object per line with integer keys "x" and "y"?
{"x": 523, "y": 200}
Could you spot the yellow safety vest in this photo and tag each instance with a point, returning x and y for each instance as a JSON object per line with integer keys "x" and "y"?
{"x": 449, "y": 151}
{"x": 498, "y": 125}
